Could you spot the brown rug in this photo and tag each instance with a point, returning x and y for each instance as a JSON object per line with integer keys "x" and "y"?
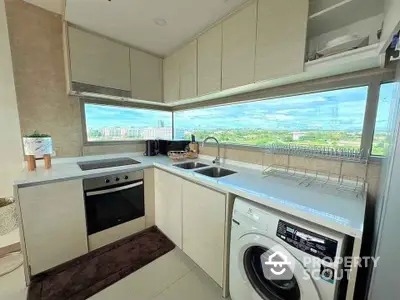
{"x": 93, "y": 272}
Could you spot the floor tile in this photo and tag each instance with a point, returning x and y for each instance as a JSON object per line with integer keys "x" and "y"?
{"x": 12, "y": 286}
{"x": 173, "y": 276}
{"x": 196, "y": 285}
{"x": 151, "y": 280}
{"x": 159, "y": 297}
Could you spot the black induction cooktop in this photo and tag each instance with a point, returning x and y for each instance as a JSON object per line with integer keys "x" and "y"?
{"x": 106, "y": 163}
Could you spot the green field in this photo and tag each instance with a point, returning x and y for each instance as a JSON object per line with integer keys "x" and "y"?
{"x": 261, "y": 138}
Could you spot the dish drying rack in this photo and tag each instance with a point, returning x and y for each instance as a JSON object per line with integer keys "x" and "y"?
{"x": 328, "y": 181}
{"x": 339, "y": 153}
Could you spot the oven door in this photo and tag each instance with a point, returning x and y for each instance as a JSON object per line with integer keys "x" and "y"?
{"x": 106, "y": 208}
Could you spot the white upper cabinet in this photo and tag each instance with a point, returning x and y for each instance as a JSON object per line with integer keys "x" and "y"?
{"x": 98, "y": 61}
{"x": 239, "y": 47}
{"x": 281, "y": 38}
{"x": 187, "y": 57}
{"x": 210, "y": 61}
{"x": 171, "y": 78}
{"x": 146, "y": 76}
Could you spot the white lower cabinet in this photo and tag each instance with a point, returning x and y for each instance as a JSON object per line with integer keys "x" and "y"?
{"x": 54, "y": 224}
{"x": 193, "y": 217}
{"x": 168, "y": 205}
{"x": 204, "y": 228}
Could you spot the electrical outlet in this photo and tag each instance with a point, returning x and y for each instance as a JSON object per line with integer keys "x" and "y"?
{"x": 55, "y": 151}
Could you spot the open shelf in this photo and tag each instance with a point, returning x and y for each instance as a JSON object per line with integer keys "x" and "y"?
{"x": 349, "y": 61}
{"x": 329, "y": 15}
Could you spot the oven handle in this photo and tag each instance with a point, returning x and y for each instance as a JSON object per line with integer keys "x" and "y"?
{"x": 117, "y": 189}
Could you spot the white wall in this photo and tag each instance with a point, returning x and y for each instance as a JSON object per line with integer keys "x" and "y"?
{"x": 385, "y": 279}
{"x": 11, "y": 156}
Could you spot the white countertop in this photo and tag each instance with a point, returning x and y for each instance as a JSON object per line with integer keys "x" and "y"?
{"x": 343, "y": 213}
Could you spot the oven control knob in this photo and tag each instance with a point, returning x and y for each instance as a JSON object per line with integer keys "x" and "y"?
{"x": 126, "y": 177}
{"x": 107, "y": 180}
{"x": 117, "y": 179}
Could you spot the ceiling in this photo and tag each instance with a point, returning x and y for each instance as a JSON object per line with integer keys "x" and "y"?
{"x": 56, "y": 6}
{"x": 134, "y": 21}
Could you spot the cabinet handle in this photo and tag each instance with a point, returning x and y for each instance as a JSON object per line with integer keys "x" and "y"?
{"x": 117, "y": 189}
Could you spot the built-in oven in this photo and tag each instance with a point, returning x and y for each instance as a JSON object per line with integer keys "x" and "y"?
{"x": 113, "y": 200}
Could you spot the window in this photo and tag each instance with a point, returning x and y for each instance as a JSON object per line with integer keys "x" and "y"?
{"x": 333, "y": 119}
{"x": 110, "y": 123}
{"x": 382, "y": 135}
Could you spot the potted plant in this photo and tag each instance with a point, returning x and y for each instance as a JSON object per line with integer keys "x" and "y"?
{"x": 38, "y": 145}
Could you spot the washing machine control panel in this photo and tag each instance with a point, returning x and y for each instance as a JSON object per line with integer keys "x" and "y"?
{"x": 307, "y": 241}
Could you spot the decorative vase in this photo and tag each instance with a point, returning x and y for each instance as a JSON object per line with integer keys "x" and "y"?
{"x": 37, "y": 148}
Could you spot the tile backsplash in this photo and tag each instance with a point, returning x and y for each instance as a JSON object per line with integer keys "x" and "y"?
{"x": 110, "y": 149}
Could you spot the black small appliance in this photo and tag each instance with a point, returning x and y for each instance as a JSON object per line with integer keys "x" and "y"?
{"x": 164, "y": 146}
{"x": 151, "y": 148}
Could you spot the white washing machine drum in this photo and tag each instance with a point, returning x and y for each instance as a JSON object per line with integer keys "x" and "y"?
{"x": 253, "y": 250}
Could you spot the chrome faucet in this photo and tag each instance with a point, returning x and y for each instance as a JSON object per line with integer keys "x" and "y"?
{"x": 217, "y": 159}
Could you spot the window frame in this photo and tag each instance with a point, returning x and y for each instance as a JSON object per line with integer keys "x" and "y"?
{"x": 262, "y": 148}
{"x": 371, "y": 78}
{"x": 124, "y": 104}
{"x": 371, "y": 156}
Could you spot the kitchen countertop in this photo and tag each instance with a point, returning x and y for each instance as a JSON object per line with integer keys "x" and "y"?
{"x": 341, "y": 212}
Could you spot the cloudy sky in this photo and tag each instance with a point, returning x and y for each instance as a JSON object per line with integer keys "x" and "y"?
{"x": 98, "y": 116}
{"x": 333, "y": 110}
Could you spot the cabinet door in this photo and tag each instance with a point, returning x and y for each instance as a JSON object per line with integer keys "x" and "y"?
{"x": 98, "y": 61}
{"x": 204, "y": 228}
{"x": 188, "y": 71}
{"x": 210, "y": 61}
{"x": 54, "y": 223}
{"x": 171, "y": 78}
{"x": 168, "y": 205}
{"x": 281, "y": 42}
{"x": 146, "y": 76}
{"x": 239, "y": 48}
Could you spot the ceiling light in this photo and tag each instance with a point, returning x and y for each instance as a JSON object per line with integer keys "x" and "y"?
{"x": 160, "y": 22}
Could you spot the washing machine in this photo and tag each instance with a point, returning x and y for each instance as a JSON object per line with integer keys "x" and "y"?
{"x": 275, "y": 256}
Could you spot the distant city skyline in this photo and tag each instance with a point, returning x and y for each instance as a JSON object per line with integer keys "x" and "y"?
{"x": 132, "y": 133}
{"x": 328, "y": 111}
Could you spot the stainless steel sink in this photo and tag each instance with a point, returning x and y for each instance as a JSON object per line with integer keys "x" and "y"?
{"x": 190, "y": 165}
{"x": 215, "y": 172}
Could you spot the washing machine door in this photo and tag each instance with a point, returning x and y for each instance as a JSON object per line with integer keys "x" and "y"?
{"x": 272, "y": 271}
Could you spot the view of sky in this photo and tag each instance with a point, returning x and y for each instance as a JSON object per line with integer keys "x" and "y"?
{"x": 99, "y": 116}
{"x": 334, "y": 110}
